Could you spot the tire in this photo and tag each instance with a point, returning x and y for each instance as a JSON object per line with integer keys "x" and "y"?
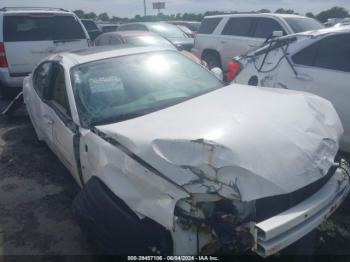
{"x": 8, "y": 93}
{"x": 109, "y": 222}
{"x": 212, "y": 58}
{"x": 253, "y": 81}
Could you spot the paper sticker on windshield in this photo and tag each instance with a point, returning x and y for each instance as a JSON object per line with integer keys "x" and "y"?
{"x": 105, "y": 84}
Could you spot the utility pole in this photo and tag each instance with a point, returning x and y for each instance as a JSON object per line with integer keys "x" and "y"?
{"x": 144, "y": 7}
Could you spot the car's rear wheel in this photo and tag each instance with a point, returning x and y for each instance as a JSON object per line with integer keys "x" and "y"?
{"x": 212, "y": 59}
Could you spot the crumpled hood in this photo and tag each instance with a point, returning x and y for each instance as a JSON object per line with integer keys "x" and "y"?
{"x": 241, "y": 142}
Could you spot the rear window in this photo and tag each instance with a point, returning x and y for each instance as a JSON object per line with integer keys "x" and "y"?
{"x": 301, "y": 24}
{"x": 167, "y": 30}
{"x": 148, "y": 40}
{"x": 208, "y": 25}
{"x": 89, "y": 25}
{"x": 40, "y": 28}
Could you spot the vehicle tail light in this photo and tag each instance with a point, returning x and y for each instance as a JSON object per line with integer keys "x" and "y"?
{"x": 233, "y": 68}
{"x": 3, "y": 60}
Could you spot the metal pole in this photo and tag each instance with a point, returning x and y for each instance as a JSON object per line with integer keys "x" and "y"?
{"x": 144, "y": 7}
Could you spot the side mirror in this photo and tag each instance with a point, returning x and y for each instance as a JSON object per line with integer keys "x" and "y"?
{"x": 218, "y": 73}
{"x": 179, "y": 47}
{"x": 277, "y": 33}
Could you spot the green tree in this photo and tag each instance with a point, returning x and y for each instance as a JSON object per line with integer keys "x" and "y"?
{"x": 137, "y": 18}
{"x": 263, "y": 11}
{"x": 310, "y": 14}
{"x": 284, "y": 11}
{"x": 80, "y": 13}
{"x": 103, "y": 17}
{"x": 334, "y": 12}
{"x": 90, "y": 15}
{"x": 115, "y": 19}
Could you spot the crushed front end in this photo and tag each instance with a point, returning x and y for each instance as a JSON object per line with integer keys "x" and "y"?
{"x": 209, "y": 224}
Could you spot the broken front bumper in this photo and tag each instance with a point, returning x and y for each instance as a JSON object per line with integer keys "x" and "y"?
{"x": 278, "y": 232}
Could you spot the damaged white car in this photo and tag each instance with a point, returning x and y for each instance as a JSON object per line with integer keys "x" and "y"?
{"x": 172, "y": 161}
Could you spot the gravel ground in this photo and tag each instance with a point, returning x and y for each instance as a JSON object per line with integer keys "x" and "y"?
{"x": 36, "y": 193}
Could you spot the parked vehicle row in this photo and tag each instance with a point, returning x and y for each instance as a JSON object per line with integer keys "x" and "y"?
{"x": 170, "y": 159}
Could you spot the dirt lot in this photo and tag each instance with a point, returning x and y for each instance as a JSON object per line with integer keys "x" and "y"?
{"x": 36, "y": 194}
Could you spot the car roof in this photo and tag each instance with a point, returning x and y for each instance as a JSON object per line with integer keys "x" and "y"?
{"x": 104, "y": 52}
{"x": 257, "y": 15}
{"x": 148, "y": 23}
{"x": 34, "y": 10}
{"x": 130, "y": 33}
{"x": 328, "y": 30}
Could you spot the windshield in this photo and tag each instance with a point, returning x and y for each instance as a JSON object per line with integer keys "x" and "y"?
{"x": 167, "y": 30}
{"x": 89, "y": 25}
{"x": 147, "y": 40}
{"x": 122, "y": 88}
{"x": 185, "y": 29}
{"x": 194, "y": 26}
{"x": 300, "y": 24}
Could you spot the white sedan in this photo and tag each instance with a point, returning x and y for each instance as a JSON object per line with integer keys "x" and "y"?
{"x": 171, "y": 161}
{"x": 317, "y": 62}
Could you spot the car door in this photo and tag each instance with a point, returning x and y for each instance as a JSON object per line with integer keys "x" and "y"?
{"x": 235, "y": 38}
{"x": 58, "y": 113}
{"x": 323, "y": 69}
{"x": 35, "y": 101}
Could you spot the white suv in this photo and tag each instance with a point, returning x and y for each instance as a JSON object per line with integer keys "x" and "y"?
{"x": 224, "y": 36}
{"x": 27, "y": 35}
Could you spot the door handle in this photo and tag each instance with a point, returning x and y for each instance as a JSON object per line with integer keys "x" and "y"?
{"x": 48, "y": 120}
{"x": 223, "y": 42}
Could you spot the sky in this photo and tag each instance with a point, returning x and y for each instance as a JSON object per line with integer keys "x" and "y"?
{"x": 130, "y": 8}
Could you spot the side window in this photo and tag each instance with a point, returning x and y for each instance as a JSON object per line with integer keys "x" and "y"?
{"x": 265, "y": 27}
{"x": 239, "y": 26}
{"x": 306, "y": 56}
{"x": 115, "y": 41}
{"x": 334, "y": 53}
{"x": 208, "y": 25}
{"x": 42, "y": 77}
{"x": 58, "y": 93}
{"x": 103, "y": 40}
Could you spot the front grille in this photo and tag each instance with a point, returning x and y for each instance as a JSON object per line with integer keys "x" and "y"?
{"x": 271, "y": 206}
